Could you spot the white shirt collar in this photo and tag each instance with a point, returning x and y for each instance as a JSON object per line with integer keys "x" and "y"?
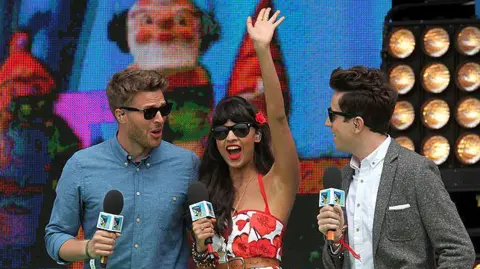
{"x": 373, "y": 158}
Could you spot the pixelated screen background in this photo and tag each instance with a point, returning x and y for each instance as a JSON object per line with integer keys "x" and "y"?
{"x": 56, "y": 58}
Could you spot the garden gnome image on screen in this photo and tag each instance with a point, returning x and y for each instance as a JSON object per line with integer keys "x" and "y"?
{"x": 169, "y": 36}
{"x": 32, "y": 154}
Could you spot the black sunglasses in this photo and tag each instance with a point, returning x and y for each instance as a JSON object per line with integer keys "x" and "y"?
{"x": 149, "y": 113}
{"x": 239, "y": 129}
{"x": 331, "y": 114}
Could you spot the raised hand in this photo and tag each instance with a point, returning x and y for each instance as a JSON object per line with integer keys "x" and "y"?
{"x": 262, "y": 32}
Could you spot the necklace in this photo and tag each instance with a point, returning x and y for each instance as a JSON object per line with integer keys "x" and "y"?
{"x": 243, "y": 194}
{"x": 225, "y": 252}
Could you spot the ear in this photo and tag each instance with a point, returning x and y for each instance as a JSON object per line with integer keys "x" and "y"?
{"x": 258, "y": 136}
{"x": 120, "y": 115}
{"x": 358, "y": 124}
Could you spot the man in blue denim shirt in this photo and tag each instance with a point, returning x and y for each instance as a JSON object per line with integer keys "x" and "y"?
{"x": 152, "y": 175}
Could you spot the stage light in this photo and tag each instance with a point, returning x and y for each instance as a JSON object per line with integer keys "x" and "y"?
{"x": 468, "y": 77}
{"x": 436, "y": 42}
{"x": 438, "y": 85}
{"x": 405, "y": 142}
{"x": 403, "y": 115}
{"x": 435, "y": 78}
{"x": 402, "y": 78}
{"x": 467, "y": 148}
{"x": 436, "y": 148}
{"x": 402, "y": 43}
{"x": 435, "y": 113}
{"x": 468, "y": 112}
{"x": 468, "y": 41}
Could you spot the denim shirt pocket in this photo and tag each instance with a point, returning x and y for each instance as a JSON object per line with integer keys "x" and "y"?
{"x": 172, "y": 210}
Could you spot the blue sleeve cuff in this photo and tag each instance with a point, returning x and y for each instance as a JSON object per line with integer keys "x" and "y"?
{"x": 56, "y": 243}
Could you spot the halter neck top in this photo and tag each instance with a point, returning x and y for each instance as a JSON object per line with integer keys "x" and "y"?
{"x": 254, "y": 233}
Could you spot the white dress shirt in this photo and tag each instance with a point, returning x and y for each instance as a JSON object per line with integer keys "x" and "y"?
{"x": 360, "y": 205}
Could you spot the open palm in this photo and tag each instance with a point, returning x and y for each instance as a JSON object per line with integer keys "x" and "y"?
{"x": 262, "y": 32}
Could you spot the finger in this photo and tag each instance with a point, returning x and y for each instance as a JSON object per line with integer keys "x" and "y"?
{"x": 200, "y": 230}
{"x": 279, "y": 21}
{"x": 266, "y": 15}
{"x": 324, "y": 228}
{"x": 208, "y": 230}
{"x": 117, "y": 235}
{"x": 249, "y": 24}
{"x": 103, "y": 253}
{"x": 105, "y": 240}
{"x": 197, "y": 231}
{"x": 329, "y": 215}
{"x": 201, "y": 221}
{"x": 331, "y": 222}
{"x": 260, "y": 14}
{"x": 326, "y": 208}
{"x": 326, "y": 222}
{"x": 102, "y": 233}
{"x": 329, "y": 227}
{"x": 103, "y": 247}
{"x": 274, "y": 17}
{"x": 106, "y": 234}
{"x": 205, "y": 236}
{"x": 338, "y": 209}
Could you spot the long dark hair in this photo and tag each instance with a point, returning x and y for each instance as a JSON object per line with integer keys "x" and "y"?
{"x": 214, "y": 170}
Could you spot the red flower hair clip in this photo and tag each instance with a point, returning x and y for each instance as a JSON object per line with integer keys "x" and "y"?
{"x": 260, "y": 118}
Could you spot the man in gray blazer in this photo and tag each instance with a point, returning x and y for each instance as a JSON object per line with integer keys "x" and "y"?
{"x": 398, "y": 213}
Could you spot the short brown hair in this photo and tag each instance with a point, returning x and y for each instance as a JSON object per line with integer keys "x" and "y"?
{"x": 125, "y": 84}
{"x": 367, "y": 94}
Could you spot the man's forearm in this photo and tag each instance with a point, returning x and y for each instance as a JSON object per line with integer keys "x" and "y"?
{"x": 73, "y": 250}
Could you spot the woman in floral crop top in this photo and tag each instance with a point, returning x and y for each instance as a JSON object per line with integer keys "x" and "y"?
{"x": 251, "y": 170}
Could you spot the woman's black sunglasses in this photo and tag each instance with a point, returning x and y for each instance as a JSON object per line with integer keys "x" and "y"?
{"x": 149, "y": 113}
{"x": 239, "y": 129}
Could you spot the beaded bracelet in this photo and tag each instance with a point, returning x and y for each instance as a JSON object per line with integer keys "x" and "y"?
{"x": 202, "y": 260}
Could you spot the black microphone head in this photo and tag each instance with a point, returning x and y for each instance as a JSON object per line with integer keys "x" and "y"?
{"x": 332, "y": 178}
{"x": 113, "y": 202}
{"x": 197, "y": 192}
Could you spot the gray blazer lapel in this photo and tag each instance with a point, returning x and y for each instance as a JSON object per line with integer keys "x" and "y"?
{"x": 347, "y": 176}
{"x": 384, "y": 190}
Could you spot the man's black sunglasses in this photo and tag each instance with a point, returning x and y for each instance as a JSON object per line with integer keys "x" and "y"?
{"x": 331, "y": 114}
{"x": 239, "y": 129}
{"x": 149, "y": 113}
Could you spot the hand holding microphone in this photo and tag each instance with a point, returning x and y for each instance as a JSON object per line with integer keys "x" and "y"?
{"x": 331, "y": 200}
{"x": 101, "y": 244}
{"x": 203, "y": 216}
{"x": 202, "y": 230}
{"x": 109, "y": 226}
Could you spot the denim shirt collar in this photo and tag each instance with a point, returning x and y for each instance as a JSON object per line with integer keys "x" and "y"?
{"x": 125, "y": 158}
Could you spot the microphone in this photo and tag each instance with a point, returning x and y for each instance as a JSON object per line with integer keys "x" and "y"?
{"x": 197, "y": 196}
{"x": 111, "y": 220}
{"x": 332, "y": 194}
